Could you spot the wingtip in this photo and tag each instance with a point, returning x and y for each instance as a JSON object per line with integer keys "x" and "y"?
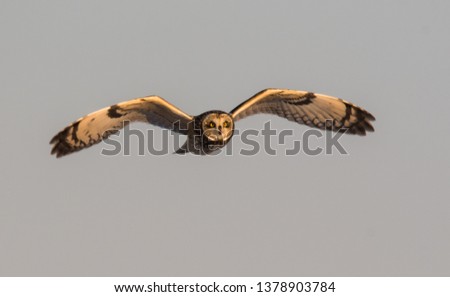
{"x": 371, "y": 117}
{"x": 54, "y": 138}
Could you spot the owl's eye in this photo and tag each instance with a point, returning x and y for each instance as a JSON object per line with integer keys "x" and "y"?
{"x": 212, "y": 124}
{"x": 226, "y": 124}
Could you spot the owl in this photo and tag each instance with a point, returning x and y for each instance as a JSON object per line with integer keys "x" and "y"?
{"x": 212, "y": 130}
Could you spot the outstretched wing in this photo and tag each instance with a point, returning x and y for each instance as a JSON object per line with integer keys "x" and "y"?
{"x": 315, "y": 110}
{"x": 96, "y": 126}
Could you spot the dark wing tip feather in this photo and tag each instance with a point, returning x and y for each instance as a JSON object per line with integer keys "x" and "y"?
{"x": 362, "y": 124}
{"x": 366, "y": 114}
{"x": 60, "y": 146}
{"x": 369, "y": 116}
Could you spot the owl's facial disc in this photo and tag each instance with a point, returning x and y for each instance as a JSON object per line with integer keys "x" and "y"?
{"x": 218, "y": 127}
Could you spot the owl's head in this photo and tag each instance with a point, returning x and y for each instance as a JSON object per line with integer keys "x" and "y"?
{"x": 217, "y": 127}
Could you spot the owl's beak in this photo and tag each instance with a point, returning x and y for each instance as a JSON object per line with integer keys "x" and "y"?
{"x": 214, "y": 135}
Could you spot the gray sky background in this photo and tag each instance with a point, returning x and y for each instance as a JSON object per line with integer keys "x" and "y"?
{"x": 382, "y": 210}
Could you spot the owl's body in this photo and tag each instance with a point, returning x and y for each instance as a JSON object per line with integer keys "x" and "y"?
{"x": 208, "y": 132}
{"x": 212, "y": 130}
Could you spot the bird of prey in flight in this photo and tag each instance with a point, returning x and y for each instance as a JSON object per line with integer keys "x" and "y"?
{"x": 213, "y": 129}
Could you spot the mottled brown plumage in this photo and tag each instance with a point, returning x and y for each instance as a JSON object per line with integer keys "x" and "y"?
{"x": 315, "y": 110}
